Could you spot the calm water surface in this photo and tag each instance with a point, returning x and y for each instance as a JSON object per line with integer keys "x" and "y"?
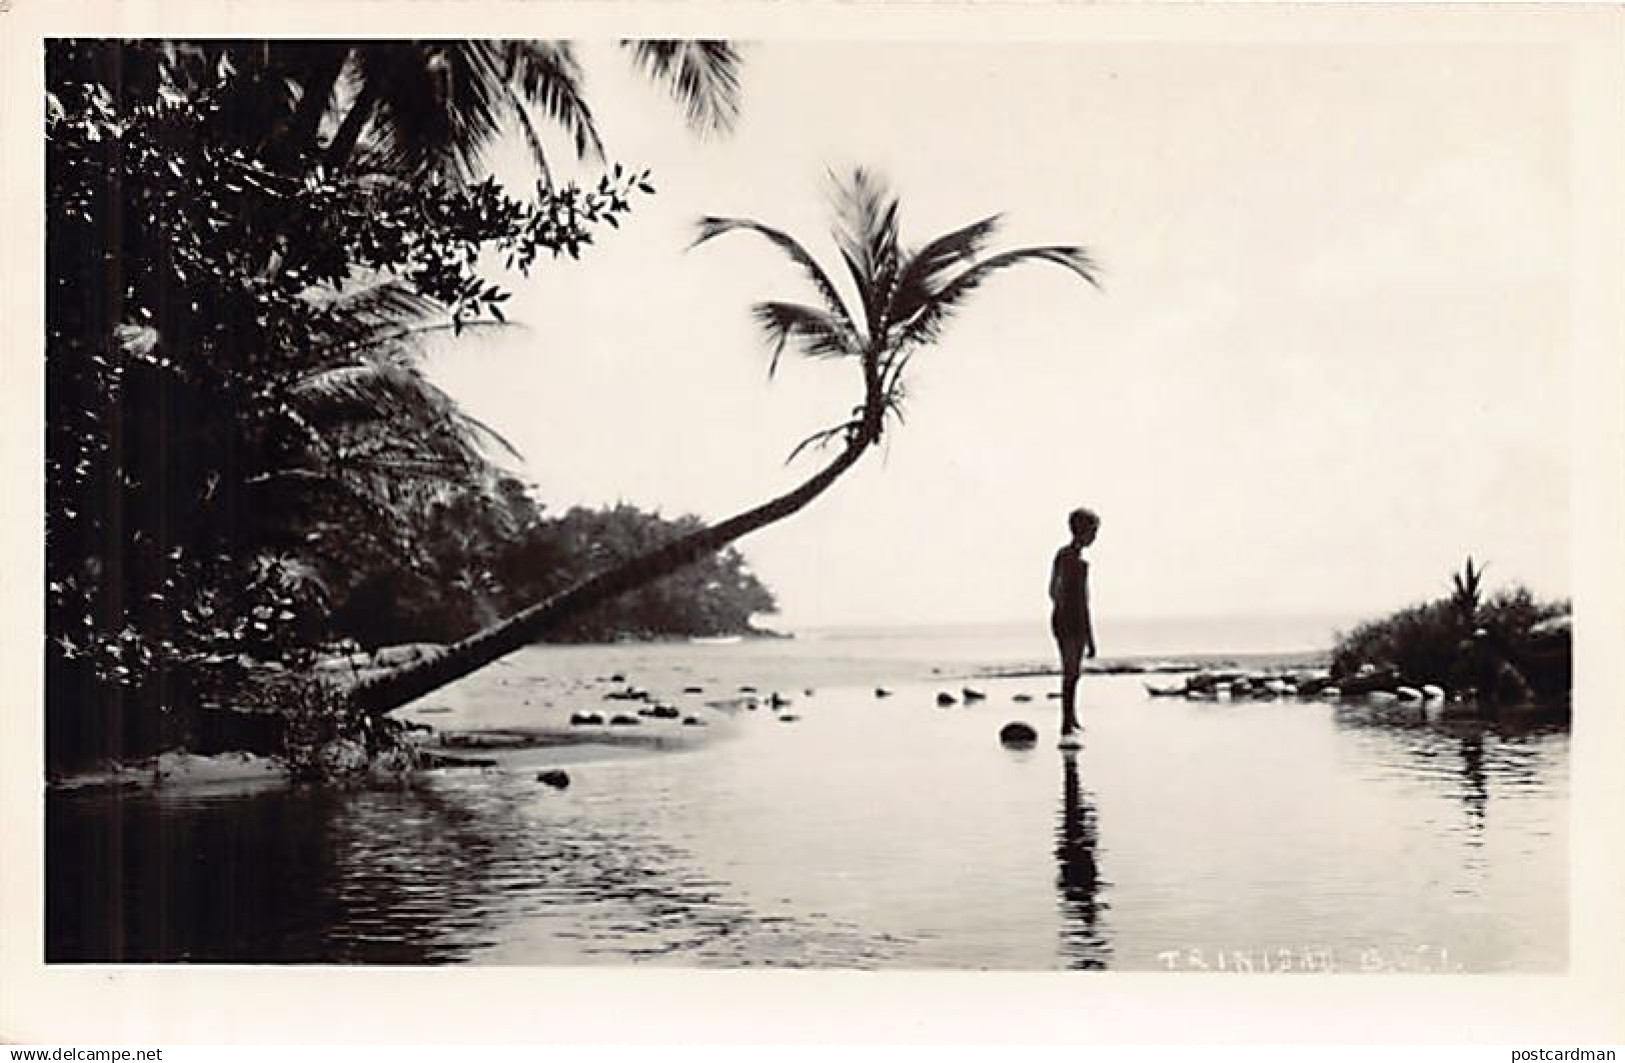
{"x": 872, "y": 833}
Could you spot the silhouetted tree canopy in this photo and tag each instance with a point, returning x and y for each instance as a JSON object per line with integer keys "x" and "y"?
{"x": 238, "y": 428}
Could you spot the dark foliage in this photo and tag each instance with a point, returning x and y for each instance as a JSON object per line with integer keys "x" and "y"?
{"x": 234, "y": 411}
{"x": 1507, "y": 647}
{"x": 716, "y": 595}
{"x": 485, "y": 557}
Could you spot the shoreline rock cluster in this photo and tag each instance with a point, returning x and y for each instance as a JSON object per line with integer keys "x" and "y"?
{"x": 1371, "y": 684}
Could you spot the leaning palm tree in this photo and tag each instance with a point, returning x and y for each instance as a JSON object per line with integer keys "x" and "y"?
{"x": 904, "y": 298}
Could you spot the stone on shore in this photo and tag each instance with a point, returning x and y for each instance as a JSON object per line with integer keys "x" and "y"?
{"x": 1018, "y": 733}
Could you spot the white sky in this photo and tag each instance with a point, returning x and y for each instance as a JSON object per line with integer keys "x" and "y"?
{"x": 1330, "y": 361}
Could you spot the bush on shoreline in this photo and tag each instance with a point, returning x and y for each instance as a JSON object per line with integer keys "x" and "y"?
{"x": 1507, "y": 648}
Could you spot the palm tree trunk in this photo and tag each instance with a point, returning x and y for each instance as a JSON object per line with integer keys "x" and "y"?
{"x": 395, "y": 688}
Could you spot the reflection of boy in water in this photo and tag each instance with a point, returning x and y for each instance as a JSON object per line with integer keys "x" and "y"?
{"x": 1069, "y": 616}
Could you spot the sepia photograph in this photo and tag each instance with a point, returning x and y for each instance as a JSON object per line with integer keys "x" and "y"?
{"x": 902, "y": 501}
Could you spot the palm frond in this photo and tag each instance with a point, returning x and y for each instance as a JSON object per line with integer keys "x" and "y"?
{"x": 370, "y": 311}
{"x": 439, "y": 104}
{"x": 402, "y": 407}
{"x": 922, "y": 276}
{"x": 546, "y": 75}
{"x": 925, "y": 325}
{"x": 702, "y": 75}
{"x": 1467, "y": 589}
{"x": 533, "y": 141}
{"x": 815, "y": 331}
{"x": 865, "y": 232}
{"x": 822, "y": 438}
{"x": 897, "y": 400}
{"x": 712, "y": 227}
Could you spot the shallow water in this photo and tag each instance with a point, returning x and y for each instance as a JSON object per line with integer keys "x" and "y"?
{"x": 871, "y": 833}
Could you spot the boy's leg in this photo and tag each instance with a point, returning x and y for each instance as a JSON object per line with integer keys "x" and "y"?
{"x": 1071, "y": 665}
{"x": 1069, "y": 703}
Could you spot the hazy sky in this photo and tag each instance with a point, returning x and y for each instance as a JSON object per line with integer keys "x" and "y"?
{"x": 1330, "y": 359}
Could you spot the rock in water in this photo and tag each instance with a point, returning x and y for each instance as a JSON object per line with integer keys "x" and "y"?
{"x": 555, "y": 778}
{"x": 1017, "y": 733}
{"x": 945, "y": 699}
{"x": 972, "y": 694}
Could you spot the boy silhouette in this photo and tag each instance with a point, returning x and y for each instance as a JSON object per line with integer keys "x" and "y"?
{"x": 1069, "y": 616}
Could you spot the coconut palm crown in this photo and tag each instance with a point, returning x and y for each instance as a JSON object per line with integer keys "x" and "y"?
{"x": 904, "y": 296}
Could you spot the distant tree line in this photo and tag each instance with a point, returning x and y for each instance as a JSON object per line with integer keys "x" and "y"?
{"x": 480, "y": 558}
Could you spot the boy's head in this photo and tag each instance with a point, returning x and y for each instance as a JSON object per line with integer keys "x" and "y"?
{"x": 1084, "y": 524}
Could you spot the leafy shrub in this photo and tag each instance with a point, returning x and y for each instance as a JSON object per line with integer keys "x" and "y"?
{"x": 1421, "y": 643}
{"x": 1463, "y": 641}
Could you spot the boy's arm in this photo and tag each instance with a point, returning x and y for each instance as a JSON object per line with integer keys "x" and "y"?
{"x": 1088, "y": 620}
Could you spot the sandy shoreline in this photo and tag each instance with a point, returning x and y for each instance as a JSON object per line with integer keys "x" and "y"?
{"x": 525, "y": 711}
